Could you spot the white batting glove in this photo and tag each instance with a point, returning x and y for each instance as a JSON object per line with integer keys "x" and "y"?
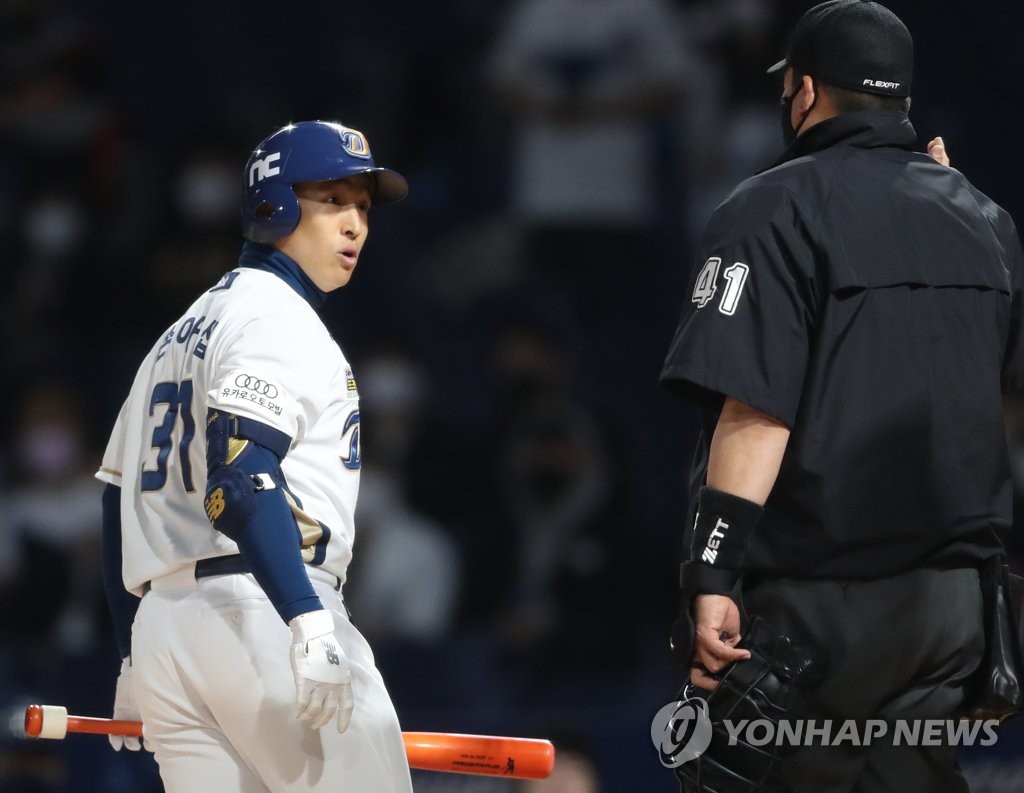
{"x": 125, "y": 708}
{"x": 322, "y": 677}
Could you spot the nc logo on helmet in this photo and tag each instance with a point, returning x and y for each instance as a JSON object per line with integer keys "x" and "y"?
{"x": 262, "y": 168}
{"x": 681, "y": 731}
{"x": 354, "y": 142}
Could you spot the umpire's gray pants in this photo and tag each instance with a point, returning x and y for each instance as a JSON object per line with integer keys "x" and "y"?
{"x": 895, "y": 648}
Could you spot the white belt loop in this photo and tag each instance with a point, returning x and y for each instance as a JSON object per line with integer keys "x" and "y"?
{"x": 319, "y": 574}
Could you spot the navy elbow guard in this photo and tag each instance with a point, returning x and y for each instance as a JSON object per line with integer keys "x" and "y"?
{"x": 242, "y": 459}
{"x": 230, "y": 499}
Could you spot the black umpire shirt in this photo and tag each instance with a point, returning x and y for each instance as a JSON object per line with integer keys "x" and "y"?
{"x": 870, "y": 299}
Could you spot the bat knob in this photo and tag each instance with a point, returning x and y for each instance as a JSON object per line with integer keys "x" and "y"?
{"x": 33, "y": 721}
{"x": 46, "y": 721}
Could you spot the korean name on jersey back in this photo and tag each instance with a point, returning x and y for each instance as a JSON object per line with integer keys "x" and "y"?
{"x": 194, "y": 332}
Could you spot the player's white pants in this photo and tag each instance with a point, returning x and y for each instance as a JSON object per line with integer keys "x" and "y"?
{"x": 215, "y": 690}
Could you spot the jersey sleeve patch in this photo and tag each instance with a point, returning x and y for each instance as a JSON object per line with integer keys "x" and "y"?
{"x": 257, "y": 395}
{"x": 252, "y": 389}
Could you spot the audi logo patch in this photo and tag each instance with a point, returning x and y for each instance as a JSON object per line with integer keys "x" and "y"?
{"x": 257, "y": 385}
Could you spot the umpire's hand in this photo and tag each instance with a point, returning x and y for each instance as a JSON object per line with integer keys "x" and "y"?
{"x": 717, "y": 622}
{"x": 937, "y": 151}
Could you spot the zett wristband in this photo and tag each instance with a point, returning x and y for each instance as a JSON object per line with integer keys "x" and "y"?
{"x": 723, "y": 528}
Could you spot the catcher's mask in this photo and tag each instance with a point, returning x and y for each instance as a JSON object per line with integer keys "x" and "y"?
{"x": 771, "y": 685}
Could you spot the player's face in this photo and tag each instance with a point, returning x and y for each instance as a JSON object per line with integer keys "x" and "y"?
{"x": 332, "y": 229}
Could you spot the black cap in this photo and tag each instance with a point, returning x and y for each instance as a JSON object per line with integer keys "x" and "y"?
{"x": 853, "y": 44}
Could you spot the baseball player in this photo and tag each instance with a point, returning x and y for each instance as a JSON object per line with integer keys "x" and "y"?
{"x": 232, "y": 473}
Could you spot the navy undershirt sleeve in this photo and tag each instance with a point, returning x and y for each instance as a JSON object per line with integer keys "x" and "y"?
{"x": 121, "y": 603}
{"x": 270, "y": 541}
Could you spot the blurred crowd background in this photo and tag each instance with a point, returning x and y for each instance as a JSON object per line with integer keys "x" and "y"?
{"x": 523, "y": 498}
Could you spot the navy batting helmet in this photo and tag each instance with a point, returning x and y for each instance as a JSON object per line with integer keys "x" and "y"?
{"x": 307, "y": 151}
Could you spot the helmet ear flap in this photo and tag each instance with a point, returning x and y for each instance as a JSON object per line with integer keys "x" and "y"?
{"x": 271, "y": 212}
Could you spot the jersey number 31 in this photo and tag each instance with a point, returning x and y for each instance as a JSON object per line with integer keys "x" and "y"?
{"x": 178, "y": 399}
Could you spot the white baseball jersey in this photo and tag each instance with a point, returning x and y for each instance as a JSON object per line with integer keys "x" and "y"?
{"x": 254, "y": 347}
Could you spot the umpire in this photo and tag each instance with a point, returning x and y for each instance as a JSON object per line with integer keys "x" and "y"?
{"x": 851, "y": 324}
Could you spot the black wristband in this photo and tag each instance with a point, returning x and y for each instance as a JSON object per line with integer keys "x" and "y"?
{"x": 722, "y": 531}
{"x": 696, "y": 578}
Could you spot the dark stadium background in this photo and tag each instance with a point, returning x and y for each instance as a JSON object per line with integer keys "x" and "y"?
{"x": 490, "y": 380}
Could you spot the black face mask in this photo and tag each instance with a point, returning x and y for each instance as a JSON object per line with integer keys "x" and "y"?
{"x": 786, "y": 103}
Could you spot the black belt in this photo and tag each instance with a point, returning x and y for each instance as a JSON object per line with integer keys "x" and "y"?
{"x": 234, "y": 563}
{"x": 222, "y": 565}
{"x": 228, "y": 565}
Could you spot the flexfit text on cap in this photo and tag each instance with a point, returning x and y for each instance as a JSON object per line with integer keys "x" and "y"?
{"x": 855, "y": 44}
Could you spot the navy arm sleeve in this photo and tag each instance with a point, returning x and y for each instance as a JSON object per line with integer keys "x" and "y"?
{"x": 121, "y": 603}
{"x": 251, "y": 509}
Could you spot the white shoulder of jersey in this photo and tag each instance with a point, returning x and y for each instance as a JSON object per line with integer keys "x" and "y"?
{"x": 278, "y": 363}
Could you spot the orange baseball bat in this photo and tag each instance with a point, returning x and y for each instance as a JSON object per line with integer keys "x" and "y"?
{"x": 457, "y": 753}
